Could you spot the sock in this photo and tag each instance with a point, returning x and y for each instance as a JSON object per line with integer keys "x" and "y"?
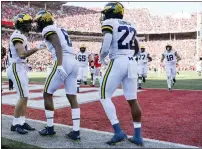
{"x": 22, "y": 120}
{"x": 76, "y": 119}
{"x": 94, "y": 79}
{"x": 117, "y": 128}
{"x": 140, "y": 80}
{"x": 169, "y": 82}
{"x": 110, "y": 110}
{"x": 137, "y": 129}
{"x": 78, "y": 83}
{"x": 49, "y": 117}
{"x": 16, "y": 121}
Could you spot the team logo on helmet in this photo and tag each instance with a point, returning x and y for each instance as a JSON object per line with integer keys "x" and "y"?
{"x": 112, "y": 10}
{"x": 23, "y": 22}
{"x": 43, "y": 18}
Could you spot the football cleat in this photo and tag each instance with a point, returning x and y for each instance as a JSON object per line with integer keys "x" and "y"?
{"x": 137, "y": 141}
{"x": 18, "y": 128}
{"x": 143, "y": 79}
{"x": 28, "y": 127}
{"x": 117, "y": 138}
{"x": 74, "y": 135}
{"x": 139, "y": 87}
{"x": 47, "y": 131}
{"x": 85, "y": 82}
{"x": 169, "y": 89}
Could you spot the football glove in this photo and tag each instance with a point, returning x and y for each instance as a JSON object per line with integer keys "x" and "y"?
{"x": 62, "y": 73}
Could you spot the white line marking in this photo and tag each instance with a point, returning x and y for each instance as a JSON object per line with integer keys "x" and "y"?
{"x": 109, "y": 133}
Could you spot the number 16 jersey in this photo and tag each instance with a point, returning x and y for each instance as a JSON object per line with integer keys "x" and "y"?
{"x": 63, "y": 37}
{"x": 123, "y": 34}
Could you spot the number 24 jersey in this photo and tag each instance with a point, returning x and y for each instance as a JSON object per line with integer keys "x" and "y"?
{"x": 123, "y": 34}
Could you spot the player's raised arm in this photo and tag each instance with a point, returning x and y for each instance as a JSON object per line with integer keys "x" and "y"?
{"x": 54, "y": 39}
{"x": 22, "y": 52}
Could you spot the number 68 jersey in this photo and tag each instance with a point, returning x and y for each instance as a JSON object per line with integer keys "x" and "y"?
{"x": 170, "y": 57}
{"x": 123, "y": 34}
{"x": 63, "y": 37}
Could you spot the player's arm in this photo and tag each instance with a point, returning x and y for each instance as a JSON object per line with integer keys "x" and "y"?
{"x": 22, "y": 52}
{"x": 162, "y": 58}
{"x": 178, "y": 57}
{"x": 149, "y": 57}
{"x": 137, "y": 45}
{"x": 55, "y": 41}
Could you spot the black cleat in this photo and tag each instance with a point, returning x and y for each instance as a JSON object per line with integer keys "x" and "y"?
{"x": 28, "y": 127}
{"x": 169, "y": 89}
{"x": 74, "y": 135}
{"x": 77, "y": 89}
{"x": 85, "y": 82}
{"x": 136, "y": 141}
{"x": 139, "y": 87}
{"x": 18, "y": 128}
{"x": 144, "y": 79}
{"x": 47, "y": 131}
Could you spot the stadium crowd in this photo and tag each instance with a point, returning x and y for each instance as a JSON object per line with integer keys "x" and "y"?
{"x": 85, "y": 20}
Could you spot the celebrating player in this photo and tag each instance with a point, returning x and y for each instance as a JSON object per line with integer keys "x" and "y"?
{"x": 64, "y": 71}
{"x": 143, "y": 58}
{"x": 17, "y": 71}
{"x": 171, "y": 58}
{"x": 121, "y": 43}
{"x": 83, "y": 59}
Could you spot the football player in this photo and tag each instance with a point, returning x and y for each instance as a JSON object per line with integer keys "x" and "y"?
{"x": 171, "y": 58}
{"x": 17, "y": 71}
{"x": 97, "y": 68}
{"x": 64, "y": 71}
{"x": 143, "y": 58}
{"x": 83, "y": 59}
{"x": 121, "y": 44}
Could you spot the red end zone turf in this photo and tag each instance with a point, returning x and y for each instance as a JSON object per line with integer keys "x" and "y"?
{"x": 174, "y": 117}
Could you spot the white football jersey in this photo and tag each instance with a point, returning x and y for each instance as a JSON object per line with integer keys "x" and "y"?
{"x": 143, "y": 58}
{"x": 170, "y": 57}
{"x": 123, "y": 34}
{"x": 63, "y": 37}
{"x": 17, "y": 36}
{"x": 82, "y": 58}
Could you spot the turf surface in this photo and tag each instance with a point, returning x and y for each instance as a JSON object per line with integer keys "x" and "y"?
{"x": 185, "y": 80}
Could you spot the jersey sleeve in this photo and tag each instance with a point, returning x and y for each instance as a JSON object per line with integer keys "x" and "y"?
{"x": 47, "y": 31}
{"x": 107, "y": 26}
{"x": 17, "y": 38}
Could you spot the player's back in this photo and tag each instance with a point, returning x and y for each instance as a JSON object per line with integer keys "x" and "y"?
{"x": 63, "y": 37}
{"x": 123, "y": 34}
{"x": 170, "y": 57}
{"x": 82, "y": 58}
{"x": 17, "y": 36}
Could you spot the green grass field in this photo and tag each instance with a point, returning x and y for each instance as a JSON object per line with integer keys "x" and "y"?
{"x": 185, "y": 80}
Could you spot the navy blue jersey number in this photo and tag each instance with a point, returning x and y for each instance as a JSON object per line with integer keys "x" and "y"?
{"x": 82, "y": 58}
{"x": 169, "y": 57}
{"x": 69, "y": 42}
{"x": 128, "y": 30}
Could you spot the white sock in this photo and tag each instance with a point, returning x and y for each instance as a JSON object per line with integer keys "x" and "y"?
{"x": 49, "y": 117}
{"x": 169, "y": 82}
{"x": 76, "y": 119}
{"x": 16, "y": 121}
{"x": 22, "y": 120}
{"x": 99, "y": 79}
{"x": 110, "y": 110}
{"x": 139, "y": 80}
{"x": 137, "y": 124}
